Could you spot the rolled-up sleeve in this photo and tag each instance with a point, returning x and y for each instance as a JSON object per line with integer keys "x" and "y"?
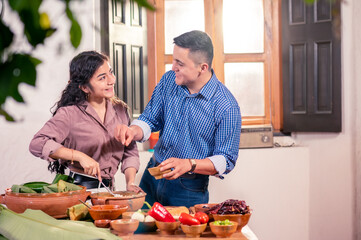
{"x": 131, "y": 154}
{"x": 51, "y": 136}
{"x": 227, "y": 140}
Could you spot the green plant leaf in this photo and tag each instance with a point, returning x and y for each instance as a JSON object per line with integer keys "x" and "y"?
{"x": 75, "y": 34}
{"x": 6, "y": 36}
{"x": 146, "y": 4}
{"x": 7, "y": 116}
{"x": 17, "y": 69}
{"x": 29, "y": 14}
{"x": 35, "y": 224}
{"x": 75, "y": 29}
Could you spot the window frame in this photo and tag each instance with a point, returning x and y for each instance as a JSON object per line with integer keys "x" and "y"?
{"x": 213, "y": 10}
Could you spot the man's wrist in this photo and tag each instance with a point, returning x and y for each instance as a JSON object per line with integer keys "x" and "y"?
{"x": 193, "y": 164}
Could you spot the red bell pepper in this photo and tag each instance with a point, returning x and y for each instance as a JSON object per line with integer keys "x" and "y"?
{"x": 188, "y": 219}
{"x": 202, "y": 217}
{"x": 160, "y": 213}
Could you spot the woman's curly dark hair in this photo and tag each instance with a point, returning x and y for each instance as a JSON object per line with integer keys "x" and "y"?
{"x": 82, "y": 67}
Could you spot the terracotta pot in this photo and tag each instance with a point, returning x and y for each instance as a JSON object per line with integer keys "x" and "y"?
{"x": 53, "y": 204}
{"x": 111, "y": 212}
{"x": 134, "y": 201}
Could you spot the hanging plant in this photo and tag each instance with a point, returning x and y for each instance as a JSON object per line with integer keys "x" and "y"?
{"x": 17, "y": 67}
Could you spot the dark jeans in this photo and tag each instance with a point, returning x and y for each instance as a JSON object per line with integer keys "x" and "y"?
{"x": 183, "y": 191}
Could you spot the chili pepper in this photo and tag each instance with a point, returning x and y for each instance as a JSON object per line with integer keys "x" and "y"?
{"x": 188, "y": 219}
{"x": 202, "y": 217}
{"x": 160, "y": 213}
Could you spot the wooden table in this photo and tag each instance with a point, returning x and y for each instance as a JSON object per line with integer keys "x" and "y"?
{"x": 207, "y": 234}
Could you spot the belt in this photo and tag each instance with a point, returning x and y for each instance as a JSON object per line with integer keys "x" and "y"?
{"x": 89, "y": 182}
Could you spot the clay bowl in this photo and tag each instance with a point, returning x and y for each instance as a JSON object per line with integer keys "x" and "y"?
{"x": 155, "y": 172}
{"x": 194, "y": 231}
{"x": 107, "y": 211}
{"x": 102, "y": 223}
{"x": 144, "y": 227}
{"x": 53, "y": 204}
{"x": 223, "y": 231}
{"x": 204, "y": 207}
{"x": 134, "y": 201}
{"x": 241, "y": 219}
{"x": 167, "y": 228}
{"x": 124, "y": 227}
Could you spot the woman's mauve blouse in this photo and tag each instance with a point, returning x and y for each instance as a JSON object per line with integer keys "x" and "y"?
{"x": 79, "y": 127}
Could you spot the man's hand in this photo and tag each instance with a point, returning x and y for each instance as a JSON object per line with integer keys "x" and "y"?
{"x": 179, "y": 166}
{"x": 124, "y": 134}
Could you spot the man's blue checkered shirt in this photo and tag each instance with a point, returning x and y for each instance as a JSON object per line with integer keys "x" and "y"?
{"x": 200, "y": 125}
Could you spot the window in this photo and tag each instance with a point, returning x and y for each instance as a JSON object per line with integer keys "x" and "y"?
{"x": 245, "y": 59}
{"x": 246, "y": 35}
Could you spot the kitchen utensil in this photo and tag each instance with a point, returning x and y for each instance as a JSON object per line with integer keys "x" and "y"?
{"x": 84, "y": 203}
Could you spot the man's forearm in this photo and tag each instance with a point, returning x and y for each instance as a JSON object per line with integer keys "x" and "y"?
{"x": 138, "y": 132}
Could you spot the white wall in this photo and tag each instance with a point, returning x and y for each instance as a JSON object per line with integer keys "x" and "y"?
{"x": 300, "y": 193}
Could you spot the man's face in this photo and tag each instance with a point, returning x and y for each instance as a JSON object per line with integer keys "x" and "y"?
{"x": 186, "y": 71}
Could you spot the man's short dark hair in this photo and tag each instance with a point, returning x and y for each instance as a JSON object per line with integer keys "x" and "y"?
{"x": 197, "y": 42}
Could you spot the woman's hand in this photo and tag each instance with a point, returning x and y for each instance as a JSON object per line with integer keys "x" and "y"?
{"x": 90, "y": 166}
{"x": 133, "y": 188}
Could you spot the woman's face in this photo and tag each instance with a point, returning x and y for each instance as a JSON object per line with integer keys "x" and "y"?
{"x": 102, "y": 83}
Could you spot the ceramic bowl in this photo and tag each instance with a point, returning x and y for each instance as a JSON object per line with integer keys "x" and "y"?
{"x": 143, "y": 226}
{"x": 204, "y": 207}
{"x": 167, "y": 228}
{"x": 223, "y": 231}
{"x": 107, "y": 211}
{"x": 156, "y": 173}
{"x": 102, "y": 223}
{"x": 194, "y": 230}
{"x": 134, "y": 201}
{"x": 124, "y": 227}
{"x": 241, "y": 219}
{"x": 53, "y": 204}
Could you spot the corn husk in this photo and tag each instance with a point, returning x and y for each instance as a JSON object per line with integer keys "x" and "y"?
{"x": 21, "y": 189}
{"x": 53, "y": 187}
{"x": 35, "y": 224}
{"x": 78, "y": 212}
{"x": 66, "y": 187}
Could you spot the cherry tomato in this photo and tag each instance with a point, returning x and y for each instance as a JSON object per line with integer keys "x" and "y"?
{"x": 202, "y": 217}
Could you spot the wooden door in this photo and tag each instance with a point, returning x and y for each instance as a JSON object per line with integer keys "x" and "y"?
{"x": 127, "y": 49}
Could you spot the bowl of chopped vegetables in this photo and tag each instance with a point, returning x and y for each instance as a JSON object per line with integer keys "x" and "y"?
{"x": 233, "y": 210}
{"x": 223, "y": 228}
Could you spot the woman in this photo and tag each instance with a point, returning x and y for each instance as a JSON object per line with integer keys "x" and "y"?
{"x": 80, "y": 135}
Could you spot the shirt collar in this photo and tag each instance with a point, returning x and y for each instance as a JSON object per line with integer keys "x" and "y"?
{"x": 109, "y": 114}
{"x": 210, "y": 88}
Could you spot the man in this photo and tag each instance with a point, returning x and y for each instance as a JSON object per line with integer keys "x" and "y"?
{"x": 199, "y": 122}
